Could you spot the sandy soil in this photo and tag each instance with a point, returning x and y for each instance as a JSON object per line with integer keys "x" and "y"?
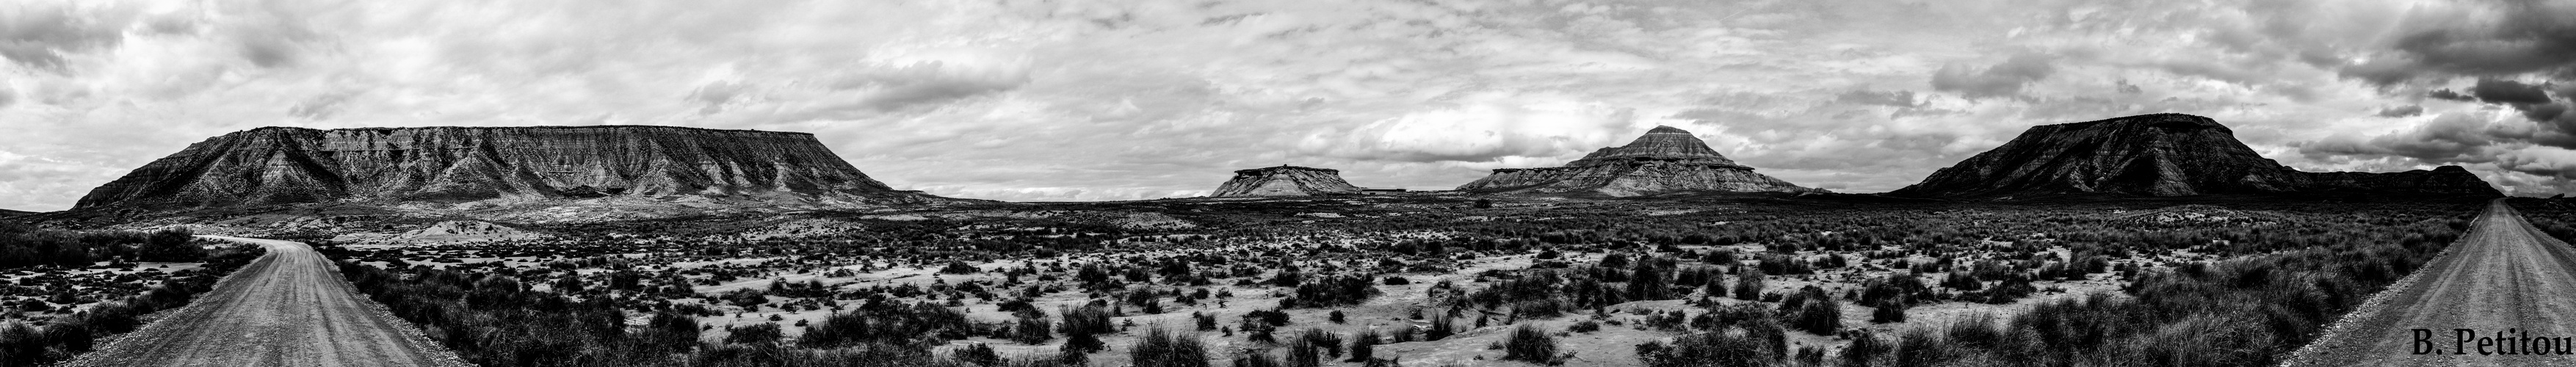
{"x": 288, "y": 308}
{"x": 2503, "y": 275}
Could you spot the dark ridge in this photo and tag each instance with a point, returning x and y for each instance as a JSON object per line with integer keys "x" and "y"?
{"x": 551, "y": 127}
{"x": 2160, "y": 155}
{"x": 281, "y": 165}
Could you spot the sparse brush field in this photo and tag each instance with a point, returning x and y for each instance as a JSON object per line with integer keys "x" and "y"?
{"x": 2556, "y": 216}
{"x": 1422, "y": 281}
{"x": 62, "y": 292}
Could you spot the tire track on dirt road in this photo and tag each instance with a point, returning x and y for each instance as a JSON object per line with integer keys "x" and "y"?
{"x": 287, "y": 308}
{"x": 2504, "y": 274}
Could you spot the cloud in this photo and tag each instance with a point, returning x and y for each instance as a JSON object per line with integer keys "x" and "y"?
{"x": 23, "y": 175}
{"x": 1122, "y": 99}
{"x": 2001, "y": 80}
{"x": 1490, "y": 132}
{"x": 2486, "y": 140}
{"x": 39, "y": 36}
{"x": 2449, "y": 138}
{"x": 170, "y": 24}
{"x": 320, "y": 107}
{"x": 934, "y": 82}
{"x": 2397, "y": 44}
{"x": 2507, "y": 91}
{"x": 1896, "y": 98}
{"x": 715, "y": 94}
{"x": 2402, "y": 111}
{"x": 2525, "y": 184}
{"x": 2540, "y": 161}
{"x": 2513, "y": 54}
{"x": 268, "y": 53}
{"x": 2553, "y": 115}
{"x": 2446, "y": 94}
{"x": 2532, "y": 100}
{"x": 2524, "y": 36}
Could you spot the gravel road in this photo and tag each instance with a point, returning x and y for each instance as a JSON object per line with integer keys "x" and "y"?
{"x": 288, "y": 308}
{"x": 2503, "y": 275}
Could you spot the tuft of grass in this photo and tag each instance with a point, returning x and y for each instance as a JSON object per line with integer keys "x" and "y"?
{"x": 1162, "y": 348}
{"x": 1529, "y": 344}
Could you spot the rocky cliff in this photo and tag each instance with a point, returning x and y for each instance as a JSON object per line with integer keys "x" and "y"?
{"x": 2159, "y": 155}
{"x": 279, "y": 165}
{"x": 1285, "y": 181}
{"x": 1665, "y": 160}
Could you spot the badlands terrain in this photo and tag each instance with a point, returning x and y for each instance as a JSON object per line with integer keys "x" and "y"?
{"x": 2142, "y": 240}
{"x": 1425, "y": 280}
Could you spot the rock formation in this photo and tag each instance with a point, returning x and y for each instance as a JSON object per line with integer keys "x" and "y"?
{"x": 2159, "y": 155}
{"x": 278, "y": 165}
{"x": 1285, "y": 180}
{"x": 454, "y": 231}
{"x": 1665, "y": 160}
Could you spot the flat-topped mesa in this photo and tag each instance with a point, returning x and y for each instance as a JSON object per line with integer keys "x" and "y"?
{"x": 1666, "y": 159}
{"x": 1285, "y": 180}
{"x": 279, "y": 165}
{"x": 2160, "y": 155}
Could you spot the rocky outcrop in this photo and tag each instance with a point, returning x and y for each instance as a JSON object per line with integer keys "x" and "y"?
{"x": 1665, "y": 160}
{"x": 457, "y": 231}
{"x": 2159, "y": 155}
{"x": 279, "y": 165}
{"x": 1285, "y": 180}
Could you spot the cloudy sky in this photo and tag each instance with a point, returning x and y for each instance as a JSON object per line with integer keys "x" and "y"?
{"x": 1113, "y": 100}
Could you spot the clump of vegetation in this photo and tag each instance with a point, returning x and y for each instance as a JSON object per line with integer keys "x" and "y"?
{"x": 1588, "y": 258}
{"x": 1811, "y": 310}
{"x": 1529, "y": 344}
{"x": 1162, "y": 348}
{"x": 1888, "y": 311}
{"x": 888, "y": 323}
{"x": 1748, "y": 285}
{"x": 2247, "y": 311}
{"x": 756, "y": 334}
{"x": 45, "y": 343}
{"x": 491, "y": 320}
{"x": 1364, "y": 346}
{"x": 1736, "y": 335}
{"x": 22, "y": 246}
{"x": 958, "y": 267}
{"x": 1553, "y": 292}
{"x": 1332, "y": 291}
{"x": 1030, "y": 327}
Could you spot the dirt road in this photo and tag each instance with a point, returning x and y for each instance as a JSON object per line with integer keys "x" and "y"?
{"x": 2503, "y": 276}
{"x": 288, "y": 308}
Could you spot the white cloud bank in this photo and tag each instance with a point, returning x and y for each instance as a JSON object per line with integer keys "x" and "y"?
{"x": 1109, "y": 100}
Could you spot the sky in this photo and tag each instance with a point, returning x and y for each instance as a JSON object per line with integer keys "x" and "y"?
{"x": 1078, "y": 100}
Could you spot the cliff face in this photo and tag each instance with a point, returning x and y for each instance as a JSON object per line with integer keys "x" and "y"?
{"x": 452, "y": 164}
{"x": 1285, "y": 181}
{"x": 2159, "y": 155}
{"x": 1665, "y": 160}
